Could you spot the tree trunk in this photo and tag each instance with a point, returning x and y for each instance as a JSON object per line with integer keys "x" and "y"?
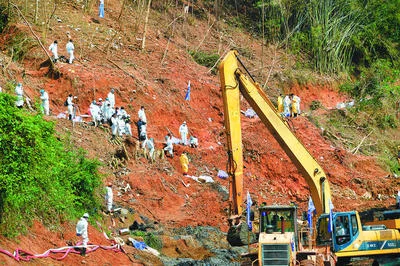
{"x": 36, "y": 11}
{"x": 145, "y": 25}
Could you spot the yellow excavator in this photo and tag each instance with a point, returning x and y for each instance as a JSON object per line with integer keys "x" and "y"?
{"x": 341, "y": 234}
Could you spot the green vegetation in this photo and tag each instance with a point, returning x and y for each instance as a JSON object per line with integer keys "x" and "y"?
{"x": 150, "y": 239}
{"x": 40, "y": 178}
{"x": 335, "y": 35}
{"x": 19, "y": 46}
{"x": 3, "y": 16}
{"x": 204, "y": 58}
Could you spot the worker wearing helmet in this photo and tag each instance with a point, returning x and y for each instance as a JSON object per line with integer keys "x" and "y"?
{"x": 82, "y": 230}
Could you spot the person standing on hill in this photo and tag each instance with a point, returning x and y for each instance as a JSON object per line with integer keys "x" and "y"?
{"x": 54, "y": 50}
{"x": 294, "y": 106}
{"x": 183, "y": 131}
{"x": 82, "y": 230}
{"x": 169, "y": 145}
{"x": 101, "y": 9}
{"x": 44, "y": 96}
{"x": 70, "y": 50}
{"x": 111, "y": 98}
{"x": 141, "y": 127}
{"x": 149, "y": 144}
{"x": 296, "y": 99}
{"x": 95, "y": 112}
{"x": 280, "y": 103}
{"x": 142, "y": 114}
{"x": 287, "y": 106}
{"x": 70, "y": 106}
{"x": 109, "y": 197}
{"x": 114, "y": 125}
{"x": 19, "y": 91}
{"x": 184, "y": 163}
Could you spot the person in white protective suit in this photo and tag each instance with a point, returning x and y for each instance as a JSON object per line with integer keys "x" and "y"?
{"x": 70, "y": 107}
{"x": 183, "y": 131}
{"x": 169, "y": 145}
{"x": 95, "y": 112}
{"x": 142, "y": 114}
{"x": 149, "y": 144}
{"x": 111, "y": 98}
{"x": 121, "y": 125}
{"x": 114, "y": 125}
{"x": 70, "y": 50}
{"x": 287, "y": 106}
{"x": 82, "y": 231}
{"x": 54, "y": 50}
{"x": 19, "y": 91}
{"x": 122, "y": 112}
{"x": 44, "y": 96}
{"x": 109, "y": 197}
{"x": 108, "y": 112}
{"x": 193, "y": 141}
{"x": 128, "y": 128}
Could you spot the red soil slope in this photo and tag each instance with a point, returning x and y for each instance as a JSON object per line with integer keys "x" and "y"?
{"x": 158, "y": 191}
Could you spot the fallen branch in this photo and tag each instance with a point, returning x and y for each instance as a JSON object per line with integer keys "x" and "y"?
{"x": 355, "y": 150}
{"x": 270, "y": 70}
{"x": 34, "y": 34}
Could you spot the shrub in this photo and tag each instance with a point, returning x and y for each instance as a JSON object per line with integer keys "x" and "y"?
{"x": 204, "y": 58}
{"x": 315, "y": 105}
{"x": 19, "y": 46}
{"x": 150, "y": 239}
{"x": 40, "y": 178}
{"x": 3, "y": 16}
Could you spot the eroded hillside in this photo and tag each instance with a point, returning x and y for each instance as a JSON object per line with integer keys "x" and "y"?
{"x": 109, "y": 55}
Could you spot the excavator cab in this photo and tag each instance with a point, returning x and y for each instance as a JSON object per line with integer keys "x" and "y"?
{"x": 278, "y": 219}
{"x": 277, "y": 235}
{"x": 338, "y": 233}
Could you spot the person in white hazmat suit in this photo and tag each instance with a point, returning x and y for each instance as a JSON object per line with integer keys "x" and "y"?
{"x": 128, "y": 128}
{"x": 287, "y": 106}
{"x": 193, "y": 141}
{"x": 149, "y": 144}
{"x": 142, "y": 114}
{"x": 70, "y": 106}
{"x": 109, "y": 197}
{"x": 82, "y": 231}
{"x": 169, "y": 145}
{"x": 108, "y": 112}
{"x": 70, "y": 50}
{"x": 44, "y": 96}
{"x": 114, "y": 125}
{"x": 95, "y": 112}
{"x": 111, "y": 98}
{"x": 54, "y": 50}
{"x": 19, "y": 91}
{"x": 121, "y": 125}
{"x": 183, "y": 131}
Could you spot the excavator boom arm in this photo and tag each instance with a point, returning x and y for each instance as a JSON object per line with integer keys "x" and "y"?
{"x": 233, "y": 83}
